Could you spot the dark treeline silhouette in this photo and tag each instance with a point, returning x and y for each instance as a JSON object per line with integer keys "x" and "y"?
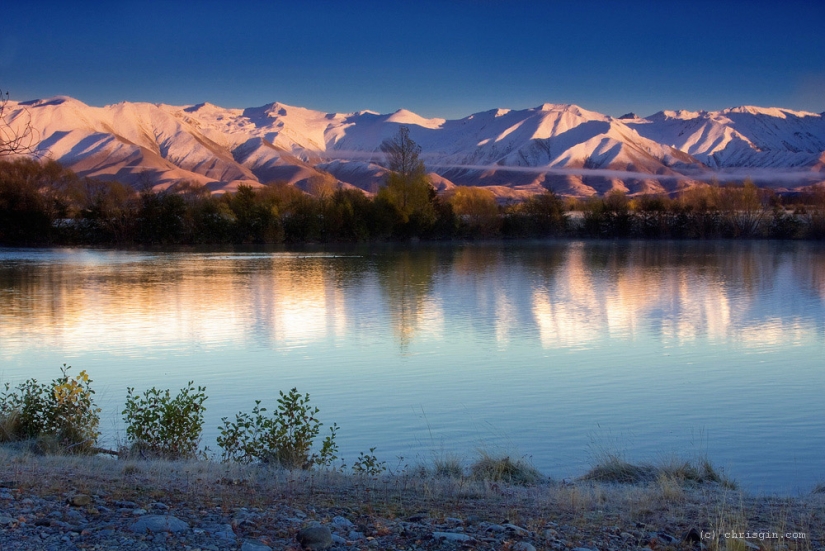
{"x": 44, "y": 203}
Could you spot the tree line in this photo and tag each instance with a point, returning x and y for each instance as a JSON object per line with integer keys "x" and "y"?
{"x": 44, "y": 203}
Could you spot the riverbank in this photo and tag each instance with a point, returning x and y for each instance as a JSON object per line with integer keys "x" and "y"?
{"x": 69, "y": 503}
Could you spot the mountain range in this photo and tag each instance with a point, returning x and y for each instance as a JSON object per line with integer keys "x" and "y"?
{"x": 514, "y": 153}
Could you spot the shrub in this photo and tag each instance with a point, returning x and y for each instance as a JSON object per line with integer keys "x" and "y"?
{"x": 158, "y": 425}
{"x": 62, "y": 411}
{"x": 285, "y": 438}
{"x": 368, "y": 464}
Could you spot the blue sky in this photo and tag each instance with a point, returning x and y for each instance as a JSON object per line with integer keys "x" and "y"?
{"x": 439, "y": 59}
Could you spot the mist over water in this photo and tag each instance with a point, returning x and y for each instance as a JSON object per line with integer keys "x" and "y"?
{"x": 554, "y": 350}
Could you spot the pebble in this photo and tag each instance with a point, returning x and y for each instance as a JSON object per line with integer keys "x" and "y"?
{"x": 342, "y": 523}
{"x": 250, "y": 545}
{"x": 222, "y": 531}
{"x": 452, "y": 536}
{"x": 29, "y": 522}
{"x": 517, "y": 530}
{"x": 79, "y": 500}
{"x": 158, "y": 523}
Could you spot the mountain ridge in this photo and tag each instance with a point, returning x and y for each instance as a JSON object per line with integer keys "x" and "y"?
{"x": 514, "y": 152}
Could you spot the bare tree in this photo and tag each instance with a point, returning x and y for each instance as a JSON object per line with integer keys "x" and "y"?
{"x": 15, "y": 138}
{"x": 407, "y": 186}
{"x": 402, "y": 154}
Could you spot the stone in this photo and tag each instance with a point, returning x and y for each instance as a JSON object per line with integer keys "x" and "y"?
{"x": 452, "y": 536}
{"x": 79, "y": 500}
{"x": 254, "y": 545}
{"x": 158, "y": 523}
{"x": 453, "y": 520}
{"x": 523, "y": 546}
{"x": 342, "y": 523}
{"x": 315, "y": 537}
{"x": 517, "y": 530}
{"x": 221, "y": 531}
{"x": 550, "y": 534}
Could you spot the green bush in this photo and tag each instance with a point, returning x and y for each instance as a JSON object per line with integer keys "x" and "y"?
{"x": 62, "y": 411}
{"x": 368, "y": 464}
{"x": 160, "y": 426}
{"x": 285, "y": 438}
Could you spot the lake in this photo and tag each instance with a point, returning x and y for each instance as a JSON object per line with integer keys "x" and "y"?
{"x": 555, "y": 351}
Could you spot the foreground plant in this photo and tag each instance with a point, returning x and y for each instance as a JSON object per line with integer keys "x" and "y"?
{"x": 285, "y": 438}
{"x": 368, "y": 464}
{"x": 61, "y": 415}
{"x": 159, "y": 425}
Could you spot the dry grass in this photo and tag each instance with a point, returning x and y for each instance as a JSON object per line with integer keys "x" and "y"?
{"x": 664, "y": 504}
{"x": 504, "y": 469}
{"x": 612, "y": 468}
{"x": 448, "y": 466}
{"x": 9, "y": 426}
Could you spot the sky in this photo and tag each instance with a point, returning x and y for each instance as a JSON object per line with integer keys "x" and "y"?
{"x": 439, "y": 59}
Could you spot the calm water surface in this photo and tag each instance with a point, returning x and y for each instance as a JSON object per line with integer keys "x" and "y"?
{"x": 557, "y": 351}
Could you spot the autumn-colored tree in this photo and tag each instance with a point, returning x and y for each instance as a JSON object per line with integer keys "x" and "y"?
{"x": 477, "y": 210}
{"x": 407, "y": 187}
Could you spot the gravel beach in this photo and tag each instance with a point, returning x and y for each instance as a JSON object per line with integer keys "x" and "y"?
{"x": 70, "y": 503}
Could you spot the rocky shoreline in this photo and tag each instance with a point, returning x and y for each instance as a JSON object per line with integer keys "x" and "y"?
{"x": 73, "y": 503}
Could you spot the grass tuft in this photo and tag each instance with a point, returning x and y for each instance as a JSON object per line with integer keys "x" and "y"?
{"x": 448, "y": 466}
{"x": 612, "y": 468}
{"x": 10, "y": 426}
{"x": 504, "y": 469}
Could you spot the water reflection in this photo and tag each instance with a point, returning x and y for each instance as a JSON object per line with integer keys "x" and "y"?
{"x": 540, "y": 342}
{"x": 407, "y": 284}
{"x": 564, "y": 295}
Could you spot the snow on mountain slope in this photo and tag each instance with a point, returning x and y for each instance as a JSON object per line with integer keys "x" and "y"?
{"x": 130, "y": 142}
{"x": 741, "y": 137}
{"x": 562, "y": 147}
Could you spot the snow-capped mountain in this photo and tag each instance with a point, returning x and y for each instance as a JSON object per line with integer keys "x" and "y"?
{"x": 513, "y": 152}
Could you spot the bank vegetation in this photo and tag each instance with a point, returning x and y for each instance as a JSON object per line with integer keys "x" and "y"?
{"x": 46, "y": 204}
